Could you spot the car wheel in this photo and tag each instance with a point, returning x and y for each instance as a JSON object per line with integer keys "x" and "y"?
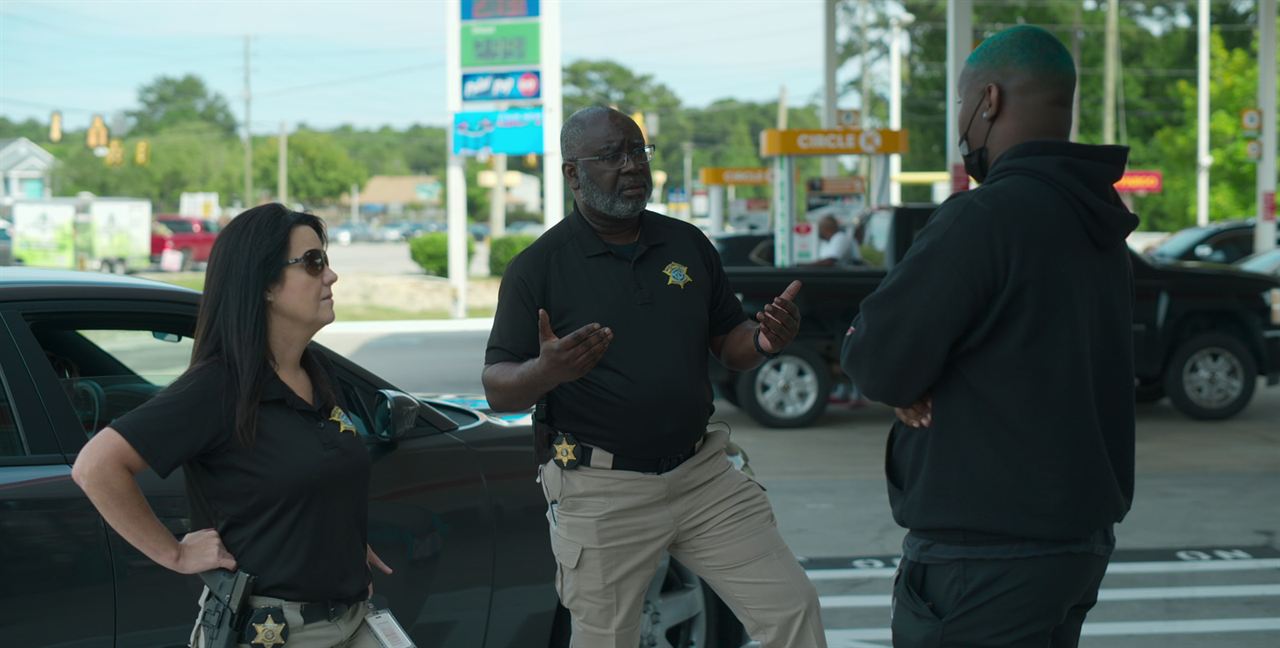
{"x": 788, "y": 391}
{"x": 187, "y": 258}
{"x": 107, "y": 266}
{"x": 1211, "y": 376}
{"x": 1148, "y": 392}
{"x": 679, "y": 611}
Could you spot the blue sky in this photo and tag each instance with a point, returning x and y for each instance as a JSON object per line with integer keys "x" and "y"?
{"x": 373, "y": 62}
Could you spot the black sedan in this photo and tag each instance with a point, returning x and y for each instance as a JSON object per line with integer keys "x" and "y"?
{"x": 453, "y": 507}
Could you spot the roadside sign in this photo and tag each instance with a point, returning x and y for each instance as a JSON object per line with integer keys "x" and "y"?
{"x": 1254, "y": 150}
{"x": 493, "y": 44}
{"x": 1251, "y": 121}
{"x": 516, "y": 131}
{"x": 838, "y": 185}
{"x": 774, "y": 142}
{"x": 848, "y": 119}
{"x": 804, "y": 243}
{"x": 733, "y": 176}
{"x": 501, "y": 86}
{"x": 491, "y": 9}
{"x": 1141, "y": 182}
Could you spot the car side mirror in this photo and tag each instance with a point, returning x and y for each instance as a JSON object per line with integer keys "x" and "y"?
{"x": 396, "y": 415}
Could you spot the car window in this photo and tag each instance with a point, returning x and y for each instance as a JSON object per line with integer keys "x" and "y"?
{"x": 105, "y": 373}
{"x": 1263, "y": 262}
{"x": 1230, "y": 247}
{"x": 1180, "y": 243}
{"x": 874, "y": 241}
{"x": 179, "y": 226}
{"x": 11, "y": 444}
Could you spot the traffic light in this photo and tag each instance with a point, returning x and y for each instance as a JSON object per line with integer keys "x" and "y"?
{"x": 97, "y": 135}
{"x": 142, "y": 153}
{"x": 115, "y": 153}
{"x": 55, "y": 127}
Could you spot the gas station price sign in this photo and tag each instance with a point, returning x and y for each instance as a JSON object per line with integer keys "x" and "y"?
{"x": 490, "y": 9}
{"x": 500, "y": 43}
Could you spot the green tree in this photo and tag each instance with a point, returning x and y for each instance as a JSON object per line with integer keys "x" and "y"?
{"x": 1233, "y": 85}
{"x": 168, "y": 101}
{"x": 320, "y": 170}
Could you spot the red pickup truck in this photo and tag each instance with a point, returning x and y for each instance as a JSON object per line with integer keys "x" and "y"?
{"x": 191, "y": 236}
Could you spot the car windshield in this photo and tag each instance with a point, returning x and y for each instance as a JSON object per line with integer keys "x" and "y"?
{"x": 179, "y": 226}
{"x": 1180, "y": 243}
{"x": 1263, "y": 262}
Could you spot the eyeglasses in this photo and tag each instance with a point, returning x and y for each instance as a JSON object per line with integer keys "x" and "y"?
{"x": 314, "y": 261}
{"x": 639, "y": 155}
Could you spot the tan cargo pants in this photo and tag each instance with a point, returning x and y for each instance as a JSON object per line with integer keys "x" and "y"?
{"x": 346, "y": 631}
{"x": 609, "y": 529}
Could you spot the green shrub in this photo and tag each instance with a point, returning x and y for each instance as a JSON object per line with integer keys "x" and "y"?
{"x": 505, "y": 248}
{"x": 431, "y": 251}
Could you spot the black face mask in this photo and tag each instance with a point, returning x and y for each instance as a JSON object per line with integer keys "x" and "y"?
{"x": 975, "y": 161}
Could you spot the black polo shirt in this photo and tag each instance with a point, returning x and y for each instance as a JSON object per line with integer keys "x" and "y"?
{"x": 649, "y": 396}
{"x": 292, "y": 508}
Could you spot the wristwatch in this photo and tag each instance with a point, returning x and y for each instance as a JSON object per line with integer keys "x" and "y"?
{"x": 756, "y": 339}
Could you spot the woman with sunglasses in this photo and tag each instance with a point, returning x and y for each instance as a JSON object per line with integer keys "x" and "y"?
{"x": 277, "y": 475}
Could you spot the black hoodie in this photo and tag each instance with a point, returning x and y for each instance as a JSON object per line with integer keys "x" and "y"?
{"x": 1013, "y": 311}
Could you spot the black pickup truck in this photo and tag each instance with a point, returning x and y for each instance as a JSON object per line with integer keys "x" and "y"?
{"x": 1202, "y": 333}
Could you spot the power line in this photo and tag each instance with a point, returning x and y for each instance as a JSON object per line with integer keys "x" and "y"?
{"x": 354, "y": 79}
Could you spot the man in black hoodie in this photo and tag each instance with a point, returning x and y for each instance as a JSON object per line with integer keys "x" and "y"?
{"x": 1003, "y": 340}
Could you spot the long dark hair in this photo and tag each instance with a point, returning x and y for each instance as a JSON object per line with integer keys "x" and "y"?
{"x": 231, "y": 329}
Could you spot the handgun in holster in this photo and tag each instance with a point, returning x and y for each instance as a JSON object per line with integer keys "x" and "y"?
{"x": 542, "y": 434}
{"x": 225, "y": 609}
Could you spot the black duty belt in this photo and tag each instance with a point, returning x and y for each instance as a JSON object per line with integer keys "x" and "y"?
{"x": 325, "y": 610}
{"x": 568, "y": 453}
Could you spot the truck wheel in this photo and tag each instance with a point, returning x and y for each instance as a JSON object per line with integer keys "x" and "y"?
{"x": 1211, "y": 376}
{"x": 788, "y": 391}
{"x": 187, "y": 258}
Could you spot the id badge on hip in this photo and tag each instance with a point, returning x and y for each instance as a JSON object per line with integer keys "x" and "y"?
{"x": 387, "y": 629}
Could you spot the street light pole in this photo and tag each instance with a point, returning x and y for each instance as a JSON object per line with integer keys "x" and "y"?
{"x": 895, "y": 100}
{"x": 1265, "y": 231}
{"x": 687, "y": 147}
{"x": 959, "y": 43}
{"x": 1203, "y": 159}
{"x": 829, "y": 164}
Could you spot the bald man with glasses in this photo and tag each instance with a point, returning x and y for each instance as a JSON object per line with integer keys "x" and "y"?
{"x": 604, "y": 324}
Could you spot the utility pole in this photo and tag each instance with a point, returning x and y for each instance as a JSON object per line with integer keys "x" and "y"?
{"x": 1109, "y": 73}
{"x": 282, "y": 167}
{"x": 782, "y": 108}
{"x": 1203, "y": 159}
{"x": 1264, "y": 234}
{"x": 687, "y": 147}
{"x": 895, "y": 100}
{"x": 829, "y": 94}
{"x": 248, "y": 134}
{"x": 498, "y": 199}
{"x": 864, "y": 115}
{"x": 1075, "y": 56}
{"x": 959, "y": 44}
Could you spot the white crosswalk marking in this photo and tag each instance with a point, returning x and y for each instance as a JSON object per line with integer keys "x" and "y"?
{"x": 1214, "y": 597}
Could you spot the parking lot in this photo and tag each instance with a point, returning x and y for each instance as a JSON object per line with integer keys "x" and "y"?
{"x": 1197, "y": 562}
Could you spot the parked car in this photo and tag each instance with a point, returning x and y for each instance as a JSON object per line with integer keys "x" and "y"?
{"x": 349, "y": 233}
{"x": 1267, "y": 263}
{"x": 453, "y": 505}
{"x": 192, "y": 237}
{"x": 1203, "y": 333}
{"x": 1217, "y": 242}
{"x": 528, "y": 228}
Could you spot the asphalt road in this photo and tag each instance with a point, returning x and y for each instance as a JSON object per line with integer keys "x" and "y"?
{"x": 1197, "y": 564}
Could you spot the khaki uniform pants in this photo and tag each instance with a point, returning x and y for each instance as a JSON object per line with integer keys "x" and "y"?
{"x": 346, "y": 631}
{"x": 609, "y": 529}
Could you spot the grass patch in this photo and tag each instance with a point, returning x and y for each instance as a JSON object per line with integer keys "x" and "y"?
{"x": 192, "y": 280}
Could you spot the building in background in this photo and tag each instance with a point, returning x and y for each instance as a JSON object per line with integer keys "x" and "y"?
{"x": 400, "y": 195}
{"x": 24, "y": 170}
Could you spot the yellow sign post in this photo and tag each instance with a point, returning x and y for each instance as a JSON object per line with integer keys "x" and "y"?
{"x": 717, "y": 176}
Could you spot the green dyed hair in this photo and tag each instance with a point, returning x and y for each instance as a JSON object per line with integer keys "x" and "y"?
{"x": 1026, "y": 51}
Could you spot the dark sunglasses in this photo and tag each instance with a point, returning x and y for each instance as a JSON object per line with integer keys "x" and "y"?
{"x": 314, "y": 261}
